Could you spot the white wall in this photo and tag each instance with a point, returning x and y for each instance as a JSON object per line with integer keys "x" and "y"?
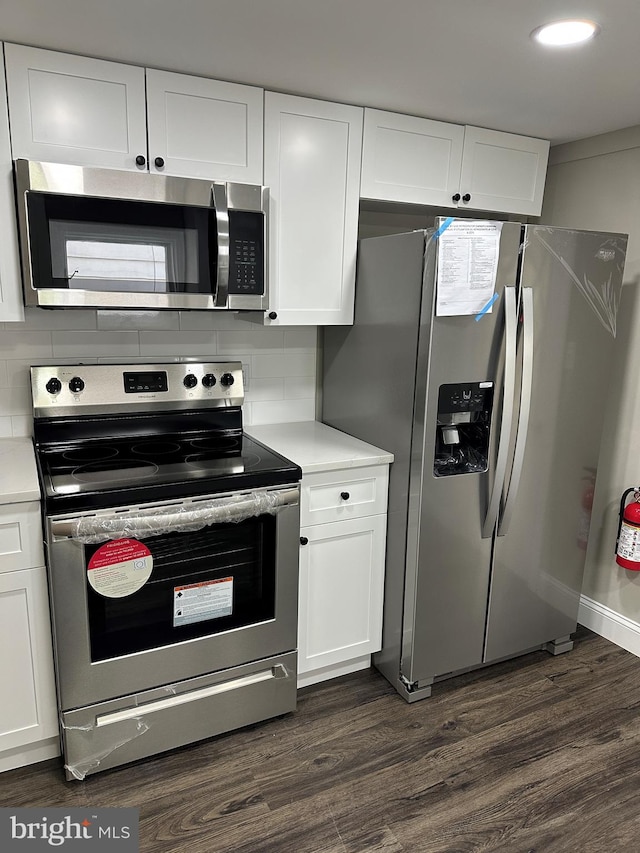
{"x": 280, "y": 363}
{"x": 595, "y": 184}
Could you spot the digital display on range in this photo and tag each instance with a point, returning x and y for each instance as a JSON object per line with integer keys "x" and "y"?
{"x": 135, "y": 383}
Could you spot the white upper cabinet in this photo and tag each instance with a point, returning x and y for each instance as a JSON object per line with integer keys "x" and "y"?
{"x": 10, "y": 282}
{"x": 410, "y": 159}
{"x": 416, "y": 160}
{"x": 203, "y": 128}
{"x": 312, "y": 157}
{"x": 503, "y": 171}
{"x": 73, "y": 109}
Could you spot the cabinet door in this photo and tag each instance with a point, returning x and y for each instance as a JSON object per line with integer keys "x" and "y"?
{"x": 20, "y": 536}
{"x": 410, "y": 159}
{"x": 341, "y": 591}
{"x": 10, "y": 281}
{"x": 28, "y": 707}
{"x": 72, "y": 109}
{"x": 201, "y": 128}
{"x": 502, "y": 171}
{"x": 312, "y": 169}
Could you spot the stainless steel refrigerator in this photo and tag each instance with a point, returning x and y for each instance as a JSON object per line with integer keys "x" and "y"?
{"x": 494, "y": 418}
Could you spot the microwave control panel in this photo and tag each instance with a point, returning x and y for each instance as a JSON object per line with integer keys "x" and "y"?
{"x": 246, "y": 252}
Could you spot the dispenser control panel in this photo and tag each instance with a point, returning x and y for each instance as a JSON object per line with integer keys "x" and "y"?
{"x": 466, "y": 397}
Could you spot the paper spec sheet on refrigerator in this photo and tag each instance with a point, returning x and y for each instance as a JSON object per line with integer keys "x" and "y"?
{"x": 467, "y": 266}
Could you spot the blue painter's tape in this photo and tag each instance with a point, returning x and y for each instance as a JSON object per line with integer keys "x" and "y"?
{"x": 486, "y": 307}
{"x": 444, "y": 226}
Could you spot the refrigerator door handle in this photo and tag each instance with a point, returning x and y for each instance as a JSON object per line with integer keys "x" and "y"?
{"x": 525, "y": 409}
{"x": 509, "y": 387}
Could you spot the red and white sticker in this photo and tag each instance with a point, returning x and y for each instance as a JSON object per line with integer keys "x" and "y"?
{"x": 120, "y": 568}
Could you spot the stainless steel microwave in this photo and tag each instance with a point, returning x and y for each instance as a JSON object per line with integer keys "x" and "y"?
{"x": 104, "y": 238}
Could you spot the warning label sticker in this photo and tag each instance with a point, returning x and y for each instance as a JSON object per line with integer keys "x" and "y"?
{"x": 629, "y": 542}
{"x": 197, "y": 602}
{"x": 120, "y": 568}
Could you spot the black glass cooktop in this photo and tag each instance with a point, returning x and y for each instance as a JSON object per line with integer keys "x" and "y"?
{"x": 107, "y": 472}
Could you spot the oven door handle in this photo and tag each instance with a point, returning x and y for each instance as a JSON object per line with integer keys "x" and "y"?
{"x": 187, "y": 517}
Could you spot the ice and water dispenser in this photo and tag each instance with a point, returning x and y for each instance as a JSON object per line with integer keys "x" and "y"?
{"x": 463, "y": 428}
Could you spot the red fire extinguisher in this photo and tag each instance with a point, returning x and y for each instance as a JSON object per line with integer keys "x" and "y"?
{"x": 628, "y": 541}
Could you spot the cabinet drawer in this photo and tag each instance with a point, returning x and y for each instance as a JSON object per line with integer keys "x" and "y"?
{"x": 337, "y": 495}
{"x": 20, "y": 537}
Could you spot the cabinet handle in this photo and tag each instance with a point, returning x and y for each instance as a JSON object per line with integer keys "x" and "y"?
{"x": 466, "y": 197}
{"x": 141, "y": 160}
{"x": 304, "y": 540}
{"x": 345, "y": 496}
{"x": 159, "y": 162}
{"x": 272, "y": 315}
{"x": 455, "y": 197}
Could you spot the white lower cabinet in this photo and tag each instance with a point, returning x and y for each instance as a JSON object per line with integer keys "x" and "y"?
{"x": 28, "y": 711}
{"x": 342, "y": 566}
{"x": 28, "y": 716}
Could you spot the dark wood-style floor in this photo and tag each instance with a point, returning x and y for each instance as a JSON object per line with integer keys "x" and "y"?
{"x": 538, "y": 755}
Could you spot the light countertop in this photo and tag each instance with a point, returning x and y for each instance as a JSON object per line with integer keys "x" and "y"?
{"x": 18, "y": 475}
{"x": 314, "y": 446}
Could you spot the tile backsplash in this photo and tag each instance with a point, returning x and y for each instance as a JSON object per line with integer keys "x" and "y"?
{"x": 279, "y": 363}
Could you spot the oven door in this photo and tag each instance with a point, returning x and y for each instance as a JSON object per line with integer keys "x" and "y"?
{"x": 140, "y": 611}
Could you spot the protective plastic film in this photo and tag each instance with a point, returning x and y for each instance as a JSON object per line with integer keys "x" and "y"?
{"x": 188, "y": 517}
{"x": 593, "y": 262}
{"x": 92, "y": 762}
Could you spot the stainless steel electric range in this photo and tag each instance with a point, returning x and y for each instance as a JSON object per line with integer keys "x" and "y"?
{"x": 172, "y": 555}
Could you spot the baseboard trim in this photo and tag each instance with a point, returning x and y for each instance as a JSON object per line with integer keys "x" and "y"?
{"x": 333, "y": 671}
{"x": 20, "y": 756}
{"x": 609, "y": 624}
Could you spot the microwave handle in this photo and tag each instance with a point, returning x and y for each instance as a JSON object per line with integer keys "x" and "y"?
{"x": 219, "y": 201}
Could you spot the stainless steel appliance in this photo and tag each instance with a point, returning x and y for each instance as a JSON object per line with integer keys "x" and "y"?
{"x": 172, "y": 552}
{"x": 494, "y": 419}
{"x": 103, "y": 238}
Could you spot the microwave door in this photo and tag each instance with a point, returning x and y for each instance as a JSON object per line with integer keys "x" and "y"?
{"x": 220, "y": 278}
{"x": 121, "y": 253}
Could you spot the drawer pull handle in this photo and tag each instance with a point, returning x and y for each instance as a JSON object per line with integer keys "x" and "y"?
{"x": 304, "y": 540}
{"x": 345, "y": 496}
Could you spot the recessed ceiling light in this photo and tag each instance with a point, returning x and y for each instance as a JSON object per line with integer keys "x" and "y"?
{"x": 563, "y": 33}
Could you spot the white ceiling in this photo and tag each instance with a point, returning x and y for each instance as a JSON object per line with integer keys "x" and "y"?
{"x": 465, "y": 61}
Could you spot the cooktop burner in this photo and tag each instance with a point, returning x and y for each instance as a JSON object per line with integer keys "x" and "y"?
{"x": 111, "y": 454}
{"x": 121, "y": 471}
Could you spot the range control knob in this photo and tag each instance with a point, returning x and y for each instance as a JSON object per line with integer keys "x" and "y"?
{"x": 76, "y": 385}
{"x": 54, "y": 386}
{"x": 189, "y": 381}
{"x": 208, "y": 380}
{"x": 227, "y": 379}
